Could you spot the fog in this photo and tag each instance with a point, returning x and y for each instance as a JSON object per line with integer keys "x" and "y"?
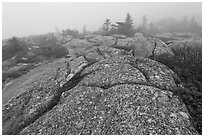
{"x": 22, "y": 19}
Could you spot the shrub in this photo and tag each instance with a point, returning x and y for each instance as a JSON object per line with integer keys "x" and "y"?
{"x": 73, "y": 33}
{"x": 50, "y": 49}
{"x": 187, "y": 64}
{"x": 12, "y": 48}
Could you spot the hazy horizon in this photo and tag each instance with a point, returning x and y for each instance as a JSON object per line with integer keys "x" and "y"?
{"x": 23, "y": 19}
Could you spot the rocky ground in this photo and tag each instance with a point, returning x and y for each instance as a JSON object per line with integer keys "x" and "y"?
{"x": 105, "y": 85}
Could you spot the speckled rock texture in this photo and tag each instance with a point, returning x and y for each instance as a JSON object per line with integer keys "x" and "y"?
{"x": 36, "y": 92}
{"x": 137, "y": 45}
{"x": 101, "y": 90}
{"x": 116, "y": 95}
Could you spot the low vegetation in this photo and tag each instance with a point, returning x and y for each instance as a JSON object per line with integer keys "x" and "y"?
{"x": 19, "y": 56}
{"x": 187, "y": 64}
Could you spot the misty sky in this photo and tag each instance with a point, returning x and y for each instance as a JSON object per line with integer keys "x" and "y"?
{"x": 23, "y": 19}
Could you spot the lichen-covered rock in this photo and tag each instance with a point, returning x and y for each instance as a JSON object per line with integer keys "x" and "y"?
{"x": 122, "y": 109}
{"x": 143, "y": 46}
{"x": 117, "y": 95}
{"x": 162, "y": 48}
{"x": 108, "y": 52}
{"x": 106, "y": 87}
{"x": 103, "y": 40}
{"x": 77, "y": 47}
{"x": 32, "y": 95}
{"x": 26, "y": 82}
{"x": 137, "y": 46}
{"x": 108, "y": 74}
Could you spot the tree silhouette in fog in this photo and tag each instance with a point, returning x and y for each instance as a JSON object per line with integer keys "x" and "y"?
{"x": 165, "y": 25}
{"x": 106, "y": 27}
{"x": 125, "y": 28}
{"x": 13, "y": 47}
{"x": 73, "y": 33}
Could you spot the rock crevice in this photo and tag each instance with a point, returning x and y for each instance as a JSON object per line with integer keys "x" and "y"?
{"x": 99, "y": 91}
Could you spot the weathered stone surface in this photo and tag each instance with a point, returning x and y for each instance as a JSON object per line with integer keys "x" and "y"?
{"x": 122, "y": 109}
{"x": 78, "y": 47}
{"x": 32, "y": 94}
{"x": 111, "y": 51}
{"x": 162, "y": 48}
{"x": 118, "y": 95}
{"x": 26, "y": 82}
{"x": 37, "y": 92}
{"x": 109, "y": 45}
{"x": 103, "y": 40}
{"x": 104, "y": 88}
{"x": 77, "y": 63}
{"x": 94, "y": 55}
{"x": 110, "y": 74}
{"x": 143, "y": 46}
{"x": 126, "y": 42}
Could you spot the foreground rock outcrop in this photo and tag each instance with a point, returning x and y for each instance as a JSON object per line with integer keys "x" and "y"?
{"x": 95, "y": 94}
{"x": 105, "y": 85}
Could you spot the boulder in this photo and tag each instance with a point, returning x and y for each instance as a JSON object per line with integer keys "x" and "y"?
{"x": 102, "y": 40}
{"x": 167, "y": 37}
{"x": 116, "y": 44}
{"x": 143, "y": 46}
{"x": 77, "y": 47}
{"x": 162, "y": 48}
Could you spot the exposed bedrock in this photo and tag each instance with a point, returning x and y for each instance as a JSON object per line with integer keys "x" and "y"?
{"x": 97, "y": 94}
